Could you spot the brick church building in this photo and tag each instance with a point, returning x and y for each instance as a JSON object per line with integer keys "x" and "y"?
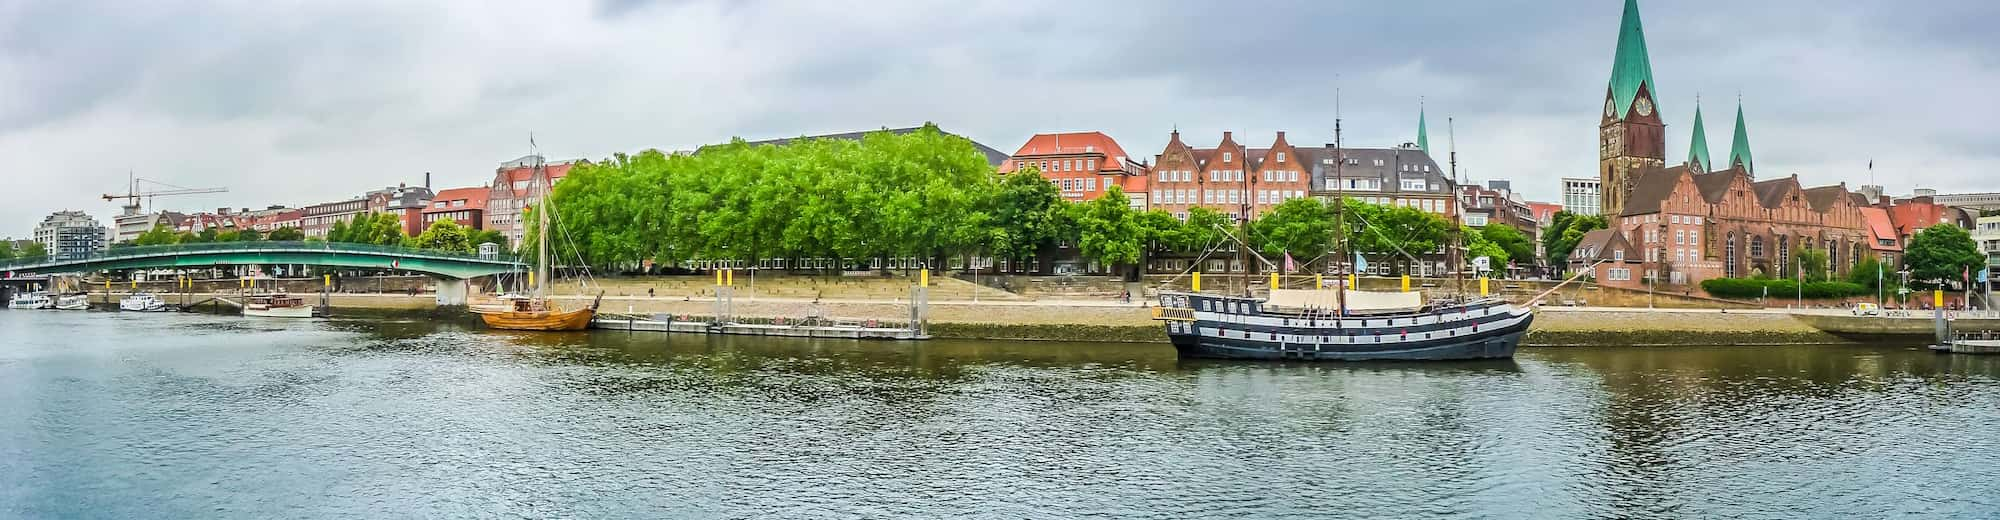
{"x": 1674, "y": 224}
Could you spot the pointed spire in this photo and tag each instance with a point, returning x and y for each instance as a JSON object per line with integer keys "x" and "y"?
{"x": 1423, "y": 137}
{"x": 1698, "y": 145}
{"x": 1630, "y": 68}
{"x": 1739, "y": 147}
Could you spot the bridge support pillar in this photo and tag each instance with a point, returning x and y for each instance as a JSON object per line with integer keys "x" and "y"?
{"x": 452, "y": 291}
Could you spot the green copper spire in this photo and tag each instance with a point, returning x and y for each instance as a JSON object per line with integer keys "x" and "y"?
{"x": 1698, "y": 145}
{"x": 1739, "y": 148}
{"x": 1631, "y": 69}
{"x": 1423, "y": 136}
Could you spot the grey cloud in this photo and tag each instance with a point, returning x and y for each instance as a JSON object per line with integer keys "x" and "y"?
{"x": 300, "y": 103}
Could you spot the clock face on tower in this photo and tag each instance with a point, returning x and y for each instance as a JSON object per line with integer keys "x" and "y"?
{"x": 1645, "y": 106}
{"x": 1610, "y": 108}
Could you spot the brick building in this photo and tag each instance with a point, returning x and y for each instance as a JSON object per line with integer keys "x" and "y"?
{"x": 1246, "y": 182}
{"x": 1083, "y": 165}
{"x": 465, "y": 206}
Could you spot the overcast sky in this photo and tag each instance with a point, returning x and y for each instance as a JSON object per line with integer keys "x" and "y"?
{"x": 296, "y": 103}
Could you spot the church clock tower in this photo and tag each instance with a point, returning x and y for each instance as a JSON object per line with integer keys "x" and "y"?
{"x": 1631, "y": 136}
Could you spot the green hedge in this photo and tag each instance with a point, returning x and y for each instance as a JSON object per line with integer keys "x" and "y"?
{"x": 1749, "y": 288}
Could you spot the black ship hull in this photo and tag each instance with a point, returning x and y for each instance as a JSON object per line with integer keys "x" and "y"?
{"x": 1236, "y": 328}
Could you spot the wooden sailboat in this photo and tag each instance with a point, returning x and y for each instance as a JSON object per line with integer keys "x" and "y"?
{"x": 536, "y": 310}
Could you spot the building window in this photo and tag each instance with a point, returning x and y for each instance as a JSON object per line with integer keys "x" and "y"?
{"x": 1090, "y": 164}
{"x": 1227, "y": 156}
{"x": 1281, "y": 157}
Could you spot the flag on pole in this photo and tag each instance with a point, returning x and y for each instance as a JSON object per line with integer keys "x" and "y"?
{"x": 1360, "y": 264}
{"x": 1289, "y": 264}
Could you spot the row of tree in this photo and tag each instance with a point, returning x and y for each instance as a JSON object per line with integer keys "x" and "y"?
{"x": 369, "y": 228}
{"x": 927, "y": 194}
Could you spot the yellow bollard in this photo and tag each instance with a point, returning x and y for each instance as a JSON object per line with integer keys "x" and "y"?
{"x": 1937, "y": 298}
{"x": 923, "y": 278}
{"x": 1482, "y": 286}
{"x": 1319, "y": 281}
{"x": 1274, "y": 280}
{"x": 135, "y": 283}
{"x": 531, "y": 279}
{"x": 1406, "y": 283}
{"x": 1197, "y": 281}
{"x": 1351, "y": 281}
{"x": 328, "y": 282}
{"x": 729, "y": 277}
{"x": 718, "y": 277}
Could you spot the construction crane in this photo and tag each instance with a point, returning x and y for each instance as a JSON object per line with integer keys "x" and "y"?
{"x": 132, "y": 193}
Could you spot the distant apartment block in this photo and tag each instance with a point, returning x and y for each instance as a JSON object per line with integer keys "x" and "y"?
{"x": 71, "y": 234}
{"x": 1582, "y": 196}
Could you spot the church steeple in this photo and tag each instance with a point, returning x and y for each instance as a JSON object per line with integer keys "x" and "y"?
{"x": 1631, "y": 137}
{"x": 1631, "y": 70}
{"x": 1423, "y": 135}
{"x": 1739, "y": 147}
{"x": 1698, "y": 145}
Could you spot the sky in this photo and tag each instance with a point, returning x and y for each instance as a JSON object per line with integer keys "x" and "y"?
{"x": 296, "y": 103}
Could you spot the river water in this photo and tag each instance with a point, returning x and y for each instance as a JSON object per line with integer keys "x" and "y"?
{"x": 113, "y": 415}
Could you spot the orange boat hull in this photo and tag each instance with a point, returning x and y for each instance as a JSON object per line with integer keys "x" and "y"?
{"x": 539, "y": 320}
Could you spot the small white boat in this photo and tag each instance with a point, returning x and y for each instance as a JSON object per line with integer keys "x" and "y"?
{"x": 73, "y": 302}
{"x": 142, "y": 302}
{"x": 278, "y": 305}
{"x": 33, "y": 300}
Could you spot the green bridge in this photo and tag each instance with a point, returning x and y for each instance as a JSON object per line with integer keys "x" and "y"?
{"x": 451, "y": 269}
{"x": 447, "y": 266}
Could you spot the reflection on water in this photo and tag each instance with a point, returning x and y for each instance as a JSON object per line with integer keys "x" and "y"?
{"x": 116, "y": 415}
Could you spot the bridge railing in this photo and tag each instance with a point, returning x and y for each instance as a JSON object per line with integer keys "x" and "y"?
{"x": 261, "y": 245}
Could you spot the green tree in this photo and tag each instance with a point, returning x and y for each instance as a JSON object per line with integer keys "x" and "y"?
{"x": 1565, "y": 230}
{"x": 485, "y": 236}
{"x": 1302, "y": 227}
{"x": 160, "y": 235}
{"x": 7, "y": 251}
{"x": 1027, "y": 214}
{"x": 33, "y": 251}
{"x": 286, "y": 233}
{"x": 1941, "y": 254}
{"x": 444, "y": 235}
{"x": 1203, "y": 229}
{"x": 1107, "y": 229}
{"x": 383, "y": 229}
{"x": 1518, "y": 246}
{"x": 1811, "y": 263}
{"x": 1399, "y": 233}
{"x": 248, "y": 235}
{"x": 1479, "y": 243}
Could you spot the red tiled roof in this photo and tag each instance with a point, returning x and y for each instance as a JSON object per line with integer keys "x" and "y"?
{"x": 474, "y": 197}
{"x": 1880, "y": 226}
{"x": 1910, "y": 216}
{"x": 1072, "y": 143}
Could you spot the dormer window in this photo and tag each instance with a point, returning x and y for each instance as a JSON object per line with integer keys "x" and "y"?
{"x": 1281, "y": 156}
{"x": 1226, "y": 156}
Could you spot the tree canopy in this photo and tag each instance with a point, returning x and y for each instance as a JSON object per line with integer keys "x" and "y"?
{"x": 1942, "y": 254}
{"x": 444, "y": 235}
{"x": 286, "y": 233}
{"x": 382, "y": 229}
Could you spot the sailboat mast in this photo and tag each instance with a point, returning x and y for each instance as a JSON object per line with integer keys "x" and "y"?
{"x": 542, "y": 209}
{"x": 1340, "y": 210}
{"x": 1456, "y": 257}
